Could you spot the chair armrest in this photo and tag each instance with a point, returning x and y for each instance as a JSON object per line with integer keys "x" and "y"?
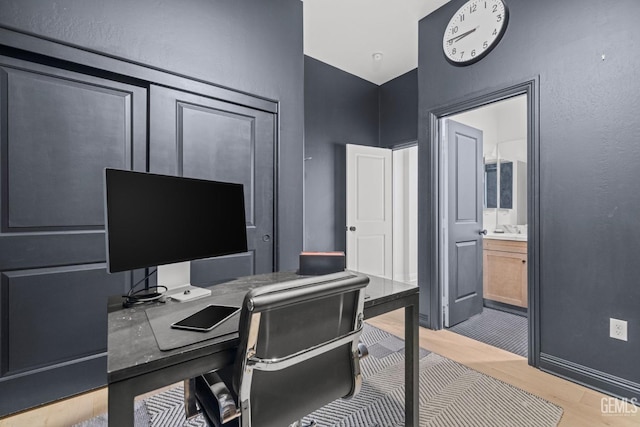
{"x": 210, "y": 389}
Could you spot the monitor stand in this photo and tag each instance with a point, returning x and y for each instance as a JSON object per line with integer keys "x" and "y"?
{"x": 177, "y": 278}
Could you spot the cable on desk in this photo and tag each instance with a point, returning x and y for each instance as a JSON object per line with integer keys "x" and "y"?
{"x": 133, "y": 298}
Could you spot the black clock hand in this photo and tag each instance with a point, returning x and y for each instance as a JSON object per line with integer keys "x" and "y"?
{"x": 461, "y": 36}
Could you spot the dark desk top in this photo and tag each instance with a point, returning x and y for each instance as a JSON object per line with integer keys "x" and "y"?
{"x": 132, "y": 347}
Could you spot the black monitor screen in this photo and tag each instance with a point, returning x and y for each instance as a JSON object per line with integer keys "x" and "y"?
{"x": 157, "y": 219}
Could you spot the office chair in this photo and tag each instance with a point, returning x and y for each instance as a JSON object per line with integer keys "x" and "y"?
{"x": 299, "y": 350}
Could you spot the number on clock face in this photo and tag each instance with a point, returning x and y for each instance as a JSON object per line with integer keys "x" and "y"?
{"x": 474, "y": 30}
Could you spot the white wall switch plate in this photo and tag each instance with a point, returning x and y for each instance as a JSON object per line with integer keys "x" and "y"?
{"x": 618, "y": 329}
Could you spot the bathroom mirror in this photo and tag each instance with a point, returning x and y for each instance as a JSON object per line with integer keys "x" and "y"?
{"x": 511, "y": 206}
{"x": 505, "y": 188}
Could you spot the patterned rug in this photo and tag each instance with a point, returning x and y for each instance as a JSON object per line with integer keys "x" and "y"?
{"x": 497, "y": 328}
{"x": 450, "y": 395}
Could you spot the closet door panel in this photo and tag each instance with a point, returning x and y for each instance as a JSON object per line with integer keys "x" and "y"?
{"x": 59, "y": 129}
{"x": 201, "y": 137}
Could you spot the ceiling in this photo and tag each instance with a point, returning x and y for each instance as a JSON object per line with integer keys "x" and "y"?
{"x": 347, "y": 33}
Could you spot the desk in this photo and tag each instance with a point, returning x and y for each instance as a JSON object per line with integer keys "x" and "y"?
{"x": 135, "y": 364}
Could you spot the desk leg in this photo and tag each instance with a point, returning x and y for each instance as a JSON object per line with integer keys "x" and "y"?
{"x": 411, "y": 367}
{"x": 120, "y": 405}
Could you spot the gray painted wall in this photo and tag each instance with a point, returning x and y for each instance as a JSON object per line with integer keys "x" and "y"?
{"x": 340, "y": 109}
{"x": 250, "y": 46}
{"x": 399, "y": 110}
{"x": 589, "y": 157}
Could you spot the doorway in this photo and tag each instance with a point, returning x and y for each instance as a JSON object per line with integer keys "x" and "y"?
{"x": 433, "y": 271}
{"x": 405, "y": 213}
{"x": 500, "y": 318}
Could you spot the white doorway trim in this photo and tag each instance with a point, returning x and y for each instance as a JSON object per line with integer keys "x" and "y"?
{"x": 405, "y": 213}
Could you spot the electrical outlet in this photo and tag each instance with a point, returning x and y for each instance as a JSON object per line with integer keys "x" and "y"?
{"x": 618, "y": 329}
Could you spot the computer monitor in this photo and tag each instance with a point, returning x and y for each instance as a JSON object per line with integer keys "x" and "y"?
{"x": 153, "y": 220}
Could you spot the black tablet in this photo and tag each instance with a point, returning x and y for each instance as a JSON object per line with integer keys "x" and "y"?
{"x": 207, "y": 318}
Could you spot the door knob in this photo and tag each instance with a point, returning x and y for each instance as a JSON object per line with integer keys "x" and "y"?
{"x": 352, "y": 228}
{"x": 483, "y": 232}
{"x": 266, "y": 238}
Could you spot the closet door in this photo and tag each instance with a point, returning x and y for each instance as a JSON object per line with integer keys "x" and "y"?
{"x": 58, "y": 131}
{"x": 200, "y": 137}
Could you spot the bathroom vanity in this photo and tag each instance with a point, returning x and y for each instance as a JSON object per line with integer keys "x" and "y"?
{"x": 505, "y": 268}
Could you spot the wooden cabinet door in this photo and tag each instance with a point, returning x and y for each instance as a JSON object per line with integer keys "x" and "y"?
{"x": 505, "y": 277}
{"x": 58, "y": 131}
{"x": 201, "y": 137}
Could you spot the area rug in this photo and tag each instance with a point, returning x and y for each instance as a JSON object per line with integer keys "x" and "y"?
{"x": 497, "y": 328}
{"x": 450, "y": 395}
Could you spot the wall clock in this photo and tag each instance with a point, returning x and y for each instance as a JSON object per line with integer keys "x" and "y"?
{"x": 474, "y": 30}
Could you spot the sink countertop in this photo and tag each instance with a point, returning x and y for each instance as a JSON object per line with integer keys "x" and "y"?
{"x": 507, "y": 236}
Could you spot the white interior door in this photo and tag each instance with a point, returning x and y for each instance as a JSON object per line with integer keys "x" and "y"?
{"x": 369, "y": 206}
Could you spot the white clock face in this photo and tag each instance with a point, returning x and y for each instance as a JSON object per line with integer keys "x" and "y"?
{"x": 474, "y": 30}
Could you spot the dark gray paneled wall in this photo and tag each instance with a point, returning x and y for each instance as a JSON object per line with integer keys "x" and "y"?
{"x": 250, "y": 45}
{"x": 589, "y": 157}
{"x": 340, "y": 109}
{"x": 399, "y": 110}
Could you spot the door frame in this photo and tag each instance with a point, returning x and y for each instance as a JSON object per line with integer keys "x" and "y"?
{"x": 429, "y": 272}
{"x": 394, "y": 149}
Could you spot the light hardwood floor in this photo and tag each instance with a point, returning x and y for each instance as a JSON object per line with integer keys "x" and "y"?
{"x": 582, "y": 406}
